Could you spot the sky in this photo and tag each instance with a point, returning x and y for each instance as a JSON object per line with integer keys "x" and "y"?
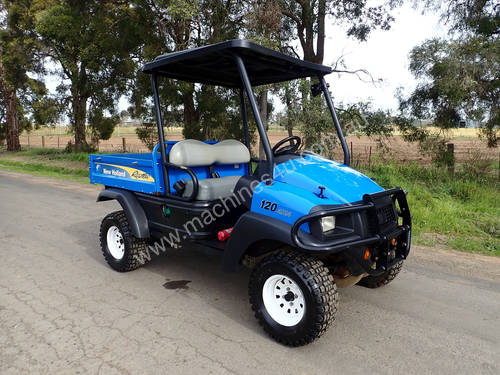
{"x": 384, "y": 55}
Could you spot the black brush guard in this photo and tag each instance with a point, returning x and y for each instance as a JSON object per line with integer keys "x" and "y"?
{"x": 380, "y": 239}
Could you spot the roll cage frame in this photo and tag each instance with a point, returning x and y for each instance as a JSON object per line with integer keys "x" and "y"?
{"x": 238, "y": 51}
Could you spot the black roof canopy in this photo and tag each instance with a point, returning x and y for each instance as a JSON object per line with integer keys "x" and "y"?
{"x": 215, "y": 65}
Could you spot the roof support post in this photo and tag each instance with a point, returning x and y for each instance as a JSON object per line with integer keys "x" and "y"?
{"x": 260, "y": 127}
{"x": 244, "y": 118}
{"x": 161, "y": 136}
{"x": 324, "y": 87}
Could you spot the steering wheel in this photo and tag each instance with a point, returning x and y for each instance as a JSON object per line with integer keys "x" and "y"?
{"x": 294, "y": 145}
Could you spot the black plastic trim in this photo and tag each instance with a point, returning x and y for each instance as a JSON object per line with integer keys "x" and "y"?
{"x": 249, "y": 229}
{"x": 135, "y": 214}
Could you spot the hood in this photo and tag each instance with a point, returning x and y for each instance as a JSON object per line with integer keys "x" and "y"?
{"x": 342, "y": 184}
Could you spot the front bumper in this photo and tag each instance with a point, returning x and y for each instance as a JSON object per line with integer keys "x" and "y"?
{"x": 380, "y": 238}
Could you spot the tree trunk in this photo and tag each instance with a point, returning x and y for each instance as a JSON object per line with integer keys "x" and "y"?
{"x": 308, "y": 26}
{"x": 320, "y": 41}
{"x": 263, "y": 116}
{"x": 12, "y": 123}
{"x": 191, "y": 117}
{"x": 12, "y": 118}
{"x": 79, "y": 119}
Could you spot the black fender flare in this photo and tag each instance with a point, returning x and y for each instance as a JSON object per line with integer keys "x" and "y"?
{"x": 249, "y": 229}
{"x": 135, "y": 213}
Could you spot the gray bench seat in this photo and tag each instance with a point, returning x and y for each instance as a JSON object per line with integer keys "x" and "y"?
{"x": 212, "y": 188}
{"x": 193, "y": 153}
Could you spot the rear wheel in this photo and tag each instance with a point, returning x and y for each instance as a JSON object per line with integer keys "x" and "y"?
{"x": 294, "y": 297}
{"x": 383, "y": 279}
{"x": 120, "y": 248}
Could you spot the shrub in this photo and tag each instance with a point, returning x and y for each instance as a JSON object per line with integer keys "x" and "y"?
{"x": 148, "y": 135}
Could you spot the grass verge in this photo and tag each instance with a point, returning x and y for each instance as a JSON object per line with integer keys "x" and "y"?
{"x": 54, "y": 154}
{"x": 459, "y": 213}
{"x": 39, "y": 169}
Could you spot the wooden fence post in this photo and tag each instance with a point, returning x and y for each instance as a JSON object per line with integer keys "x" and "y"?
{"x": 124, "y": 144}
{"x": 43, "y": 141}
{"x": 28, "y": 141}
{"x": 57, "y": 142}
{"x": 370, "y": 158}
{"x": 450, "y": 149}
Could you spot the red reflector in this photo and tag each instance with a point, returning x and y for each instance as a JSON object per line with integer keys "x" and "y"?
{"x": 223, "y": 235}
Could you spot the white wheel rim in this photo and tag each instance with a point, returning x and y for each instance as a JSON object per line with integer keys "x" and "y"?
{"x": 115, "y": 242}
{"x": 283, "y": 300}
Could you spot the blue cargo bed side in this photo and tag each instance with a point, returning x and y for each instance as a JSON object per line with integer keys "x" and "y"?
{"x": 143, "y": 172}
{"x": 134, "y": 172}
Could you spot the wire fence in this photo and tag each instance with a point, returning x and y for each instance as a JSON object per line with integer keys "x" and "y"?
{"x": 363, "y": 149}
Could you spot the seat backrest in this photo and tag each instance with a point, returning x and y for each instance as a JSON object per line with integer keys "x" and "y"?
{"x": 193, "y": 153}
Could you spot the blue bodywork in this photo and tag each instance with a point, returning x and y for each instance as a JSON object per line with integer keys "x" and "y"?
{"x": 293, "y": 193}
{"x": 296, "y": 187}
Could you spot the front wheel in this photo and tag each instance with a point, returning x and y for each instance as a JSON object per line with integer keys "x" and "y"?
{"x": 294, "y": 297}
{"x": 382, "y": 279}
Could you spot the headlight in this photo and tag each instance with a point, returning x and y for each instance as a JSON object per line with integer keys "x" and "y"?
{"x": 327, "y": 223}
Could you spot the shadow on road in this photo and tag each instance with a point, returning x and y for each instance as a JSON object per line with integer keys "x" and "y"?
{"x": 226, "y": 292}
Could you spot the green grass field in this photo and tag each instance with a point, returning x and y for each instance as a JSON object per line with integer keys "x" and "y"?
{"x": 460, "y": 213}
{"x": 41, "y": 169}
{"x": 54, "y": 154}
{"x": 48, "y": 162}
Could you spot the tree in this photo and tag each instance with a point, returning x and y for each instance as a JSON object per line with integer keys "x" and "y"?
{"x": 263, "y": 25}
{"x": 148, "y": 134}
{"x": 360, "y": 118}
{"x": 177, "y": 25}
{"x": 93, "y": 42}
{"x": 3, "y": 125}
{"x": 479, "y": 17}
{"x": 25, "y": 98}
{"x": 307, "y": 19}
{"x": 101, "y": 127}
{"x": 459, "y": 78}
{"x": 17, "y": 56}
{"x": 11, "y": 116}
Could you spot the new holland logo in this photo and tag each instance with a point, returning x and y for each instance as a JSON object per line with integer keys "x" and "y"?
{"x": 126, "y": 172}
{"x": 114, "y": 172}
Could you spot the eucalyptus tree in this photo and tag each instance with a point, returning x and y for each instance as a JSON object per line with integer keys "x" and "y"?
{"x": 459, "y": 77}
{"x": 305, "y": 21}
{"x": 22, "y": 96}
{"x": 171, "y": 26}
{"x": 93, "y": 43}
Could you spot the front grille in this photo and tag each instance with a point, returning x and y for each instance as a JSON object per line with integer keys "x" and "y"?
{"x": 386, "y": 214}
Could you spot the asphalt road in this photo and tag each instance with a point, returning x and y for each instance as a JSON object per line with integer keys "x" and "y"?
{"x": 64, "y": 311}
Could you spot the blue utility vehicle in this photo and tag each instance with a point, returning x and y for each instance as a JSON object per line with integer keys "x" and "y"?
{"x": 303, "y": 223}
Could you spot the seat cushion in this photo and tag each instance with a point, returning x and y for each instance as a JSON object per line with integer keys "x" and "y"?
{"x": 212, "y": 188}
{"x": 193, "y": 153}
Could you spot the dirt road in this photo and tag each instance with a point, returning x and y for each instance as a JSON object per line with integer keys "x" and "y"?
{"x": 64, "y": 311}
